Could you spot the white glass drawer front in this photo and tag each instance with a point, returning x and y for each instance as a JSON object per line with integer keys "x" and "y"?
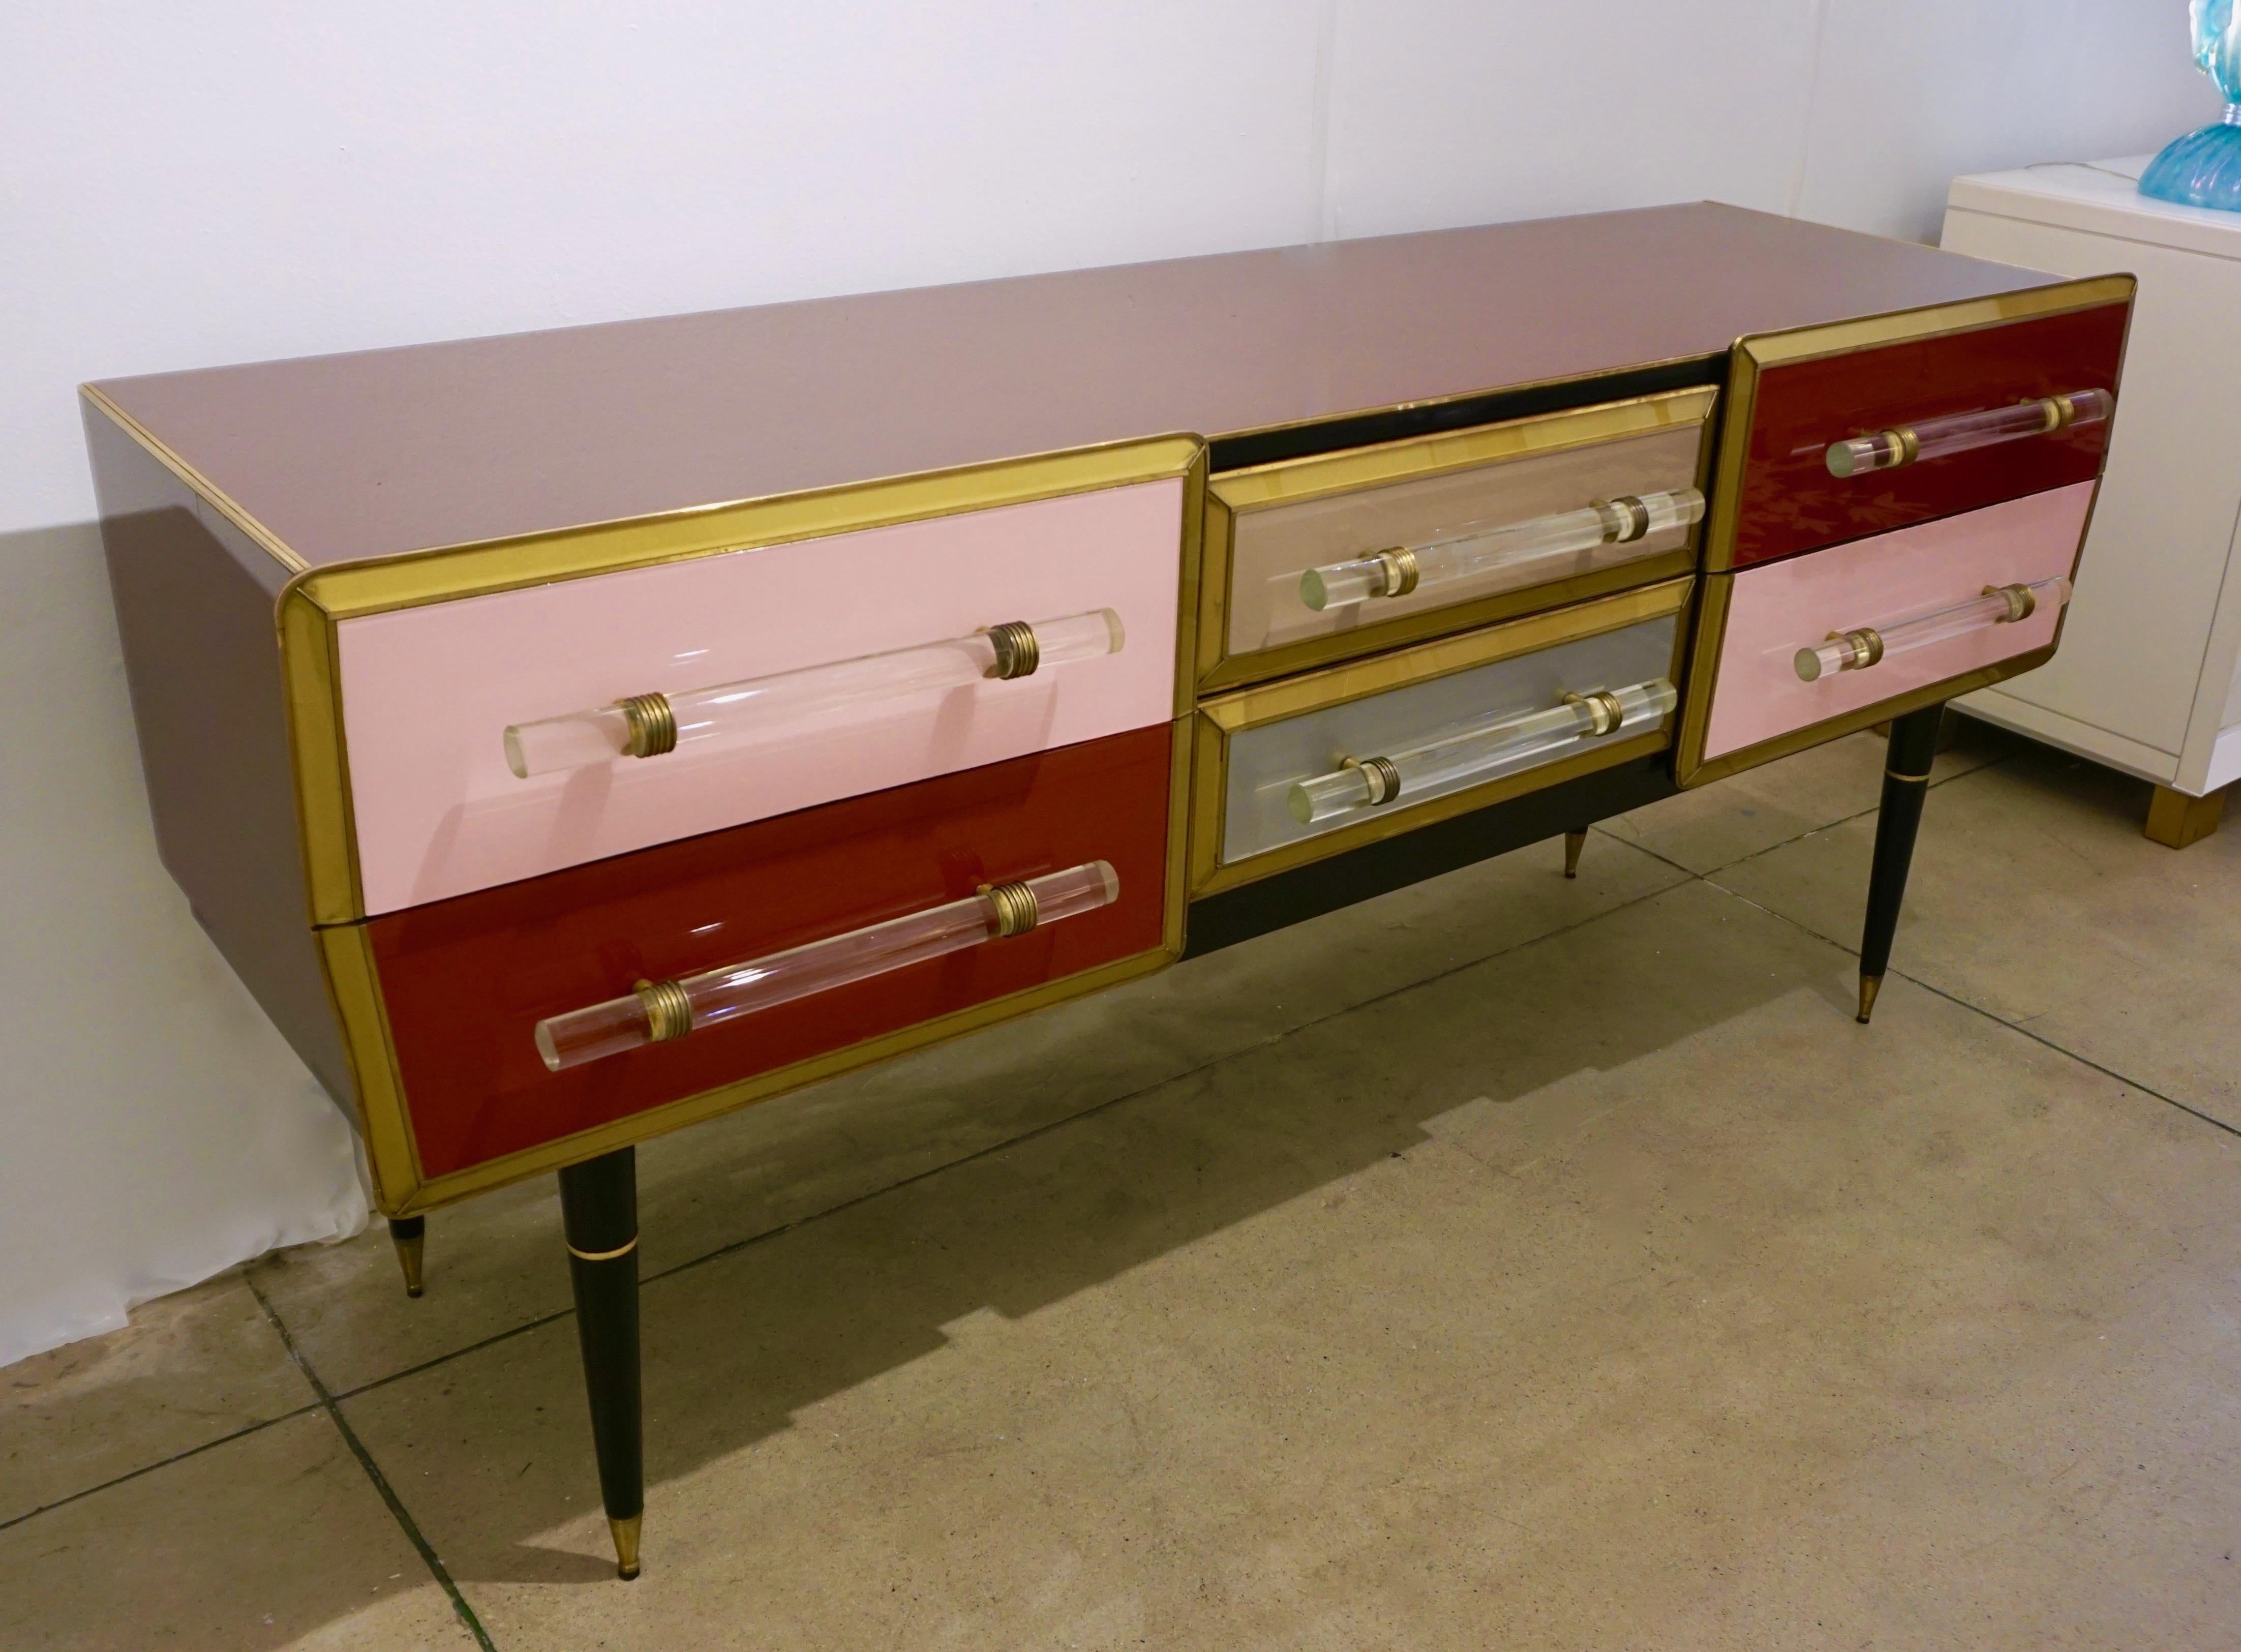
{"x": 1316, "y": 773}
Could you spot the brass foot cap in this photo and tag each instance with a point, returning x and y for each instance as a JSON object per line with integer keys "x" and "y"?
{"x": 1574, "y": 842}
{"x": 408, "y": 1252}
{"x": 625, "y": 1532}
{"x": 1870, "y": 986}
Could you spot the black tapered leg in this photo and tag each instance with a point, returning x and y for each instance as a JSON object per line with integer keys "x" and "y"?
{"x": 598, "y": 1208}
{"x": 1574, "y": 842}
{"x": 1906, "y": 780}
{"x": 409, "y": 1234}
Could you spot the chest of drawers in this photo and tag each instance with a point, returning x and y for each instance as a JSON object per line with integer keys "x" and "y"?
{"x": 570, "y": 737}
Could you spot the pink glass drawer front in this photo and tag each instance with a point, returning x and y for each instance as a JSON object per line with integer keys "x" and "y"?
{"x": 428, "y": 692}
{"x": 1780, "y": 608}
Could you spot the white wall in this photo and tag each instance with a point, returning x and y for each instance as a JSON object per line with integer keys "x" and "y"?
{"x": 190, "y": 184}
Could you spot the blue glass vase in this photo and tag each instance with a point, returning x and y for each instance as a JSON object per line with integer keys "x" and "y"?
{"x": 2203, "y": 167}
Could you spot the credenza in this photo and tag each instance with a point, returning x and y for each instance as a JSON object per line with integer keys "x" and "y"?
{"x": 571, "y": 736}
{"x": 2150, "y": 679}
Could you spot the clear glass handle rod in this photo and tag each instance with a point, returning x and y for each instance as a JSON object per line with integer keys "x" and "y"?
{"x": 1482, "y": 751}
{"x": 1937, "y": 437}
{"x": 1482, "y": 549}
{"x": 649, "y": 724}
{"x": 659, "y": 1011}
{"x": 1866, "y": 645}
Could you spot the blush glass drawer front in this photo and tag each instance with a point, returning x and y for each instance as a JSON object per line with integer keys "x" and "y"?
{"x": 1328, "y": 557}
{"x": 1308, "y": 767}
{"x": 1925, "y": 413}
{"x": 465, "y": 983}
{"x": 841, "y": 666}
{"x": 1803, "y": 642}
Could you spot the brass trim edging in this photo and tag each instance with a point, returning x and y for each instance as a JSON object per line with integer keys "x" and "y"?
{"x": 354, "y": 989}
{"x": 1310, "y": 653}
{"x": 1411, "y": 459}
{"x": 1754, "y": 353}
{"x": 1251, "y": 708}
{"x": 1270, "y": 702}
{"x": 1283, "y": 482}
{"x": 313, "y": 604}
{"x": 1937, "y": 320}
{"x": 401, "y": 1188}
{"x": 1408, "y": 817}
{"x": 444, "y": 573}
{"x": 1837, "y": 727}
{"x": 708, "y": 1104}
{"x": 219, "y": 500}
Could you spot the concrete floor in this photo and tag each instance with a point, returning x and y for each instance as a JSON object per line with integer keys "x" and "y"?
{"x": 1508, "y": 1262}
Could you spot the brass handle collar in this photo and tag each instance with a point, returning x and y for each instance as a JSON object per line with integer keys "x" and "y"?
{"x": 1018, "y": 653}
{"x": 668, "y": 1011}
{"x": 2023, "y": 602}
{"x": 1625, "y": 518}
{"x": 1867, "y": 645}
{"x": 1016, "y": 909}
{"x": 653, "y": 723}
{"x": 1383, "y": 778}
{"x": 1604, "y": 713}
{"x": 1401, "y": 571}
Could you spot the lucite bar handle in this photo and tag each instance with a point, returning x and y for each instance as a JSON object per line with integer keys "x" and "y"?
{"x": 657, "y": 1012}
{"x": 1483, "y": 549}
{"x": 1482, "y": 751}
{"x": 649, "y": 724}
{"x": 1866, "y": 645}
{"x": 1937, "y": 437}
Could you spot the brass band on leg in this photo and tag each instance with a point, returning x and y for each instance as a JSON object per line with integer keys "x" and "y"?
{"x": 626, "y": 1534}
{"x": 604, "y": 1255}
{"x": 1018, "y": 653}
{"x": 410, "y": 1242}
{"x": 1893, "y": 774}
{"x": 653, "y": 723}
{"x": 668, "y": 1011}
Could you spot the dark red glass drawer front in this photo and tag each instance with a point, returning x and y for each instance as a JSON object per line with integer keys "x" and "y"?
{"x": 1789, "y": 502}
{"x": 465, "y": 980}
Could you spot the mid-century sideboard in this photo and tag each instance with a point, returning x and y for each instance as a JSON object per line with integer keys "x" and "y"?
{"x": 571, "y": 736}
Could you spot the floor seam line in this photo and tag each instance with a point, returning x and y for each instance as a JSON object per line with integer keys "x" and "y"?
{"x": 163, "y": 1462}
{"x": 1842, "y": 819}
{"x": 494, "y": 1338}
{"x": 412, "y": 1533}
{"x": 1993, "y": 1016}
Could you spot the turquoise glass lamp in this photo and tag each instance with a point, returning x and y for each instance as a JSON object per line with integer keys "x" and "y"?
{"x": 2203, "y": 167}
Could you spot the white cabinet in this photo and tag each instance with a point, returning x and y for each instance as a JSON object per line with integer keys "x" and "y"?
{"x": 2147, "y": 679}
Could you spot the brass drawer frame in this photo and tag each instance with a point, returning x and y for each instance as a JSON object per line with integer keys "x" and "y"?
{"x": 1220, "y": 719}
{"x": 1755, "y": 352}
{"x": 1353, "y": 470}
